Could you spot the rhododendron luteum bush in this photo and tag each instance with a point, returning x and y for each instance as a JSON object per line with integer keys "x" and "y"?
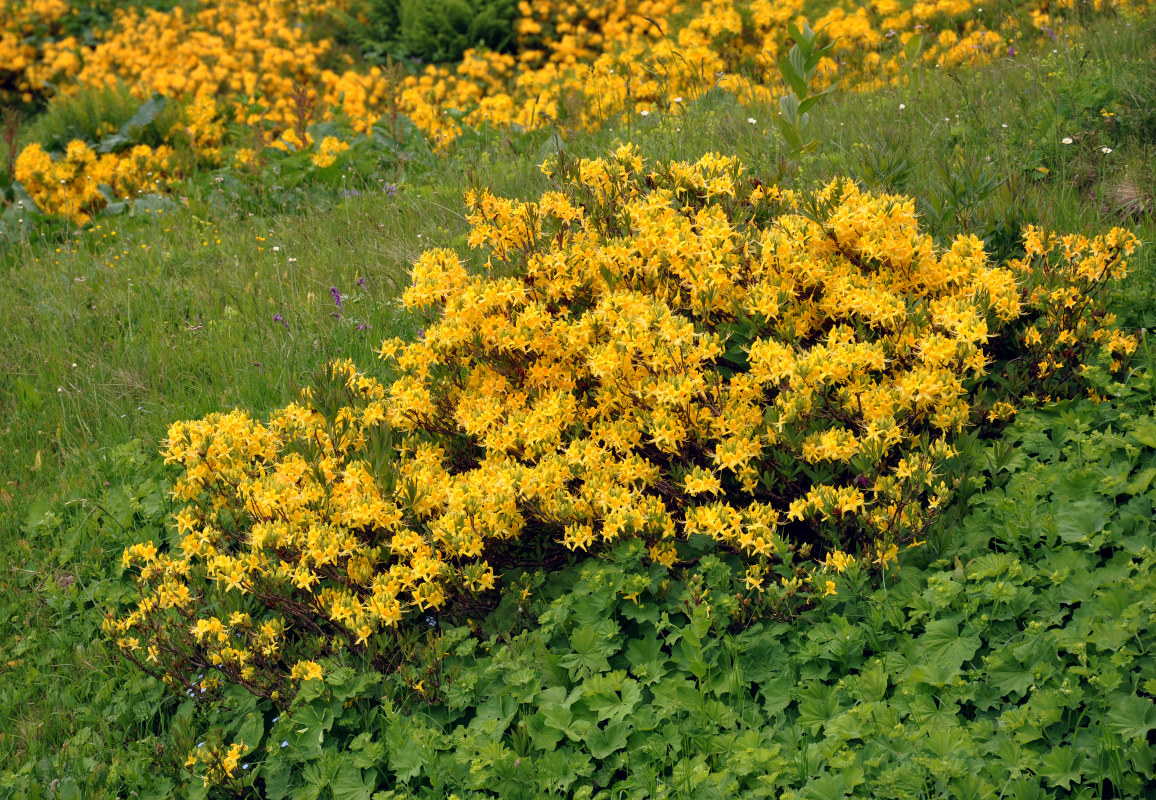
{"x": 651, "y": 354}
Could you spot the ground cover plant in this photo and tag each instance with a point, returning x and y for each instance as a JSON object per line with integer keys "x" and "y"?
{"x": 1008, "y": 653}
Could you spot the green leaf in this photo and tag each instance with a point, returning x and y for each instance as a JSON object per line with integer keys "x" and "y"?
{"x": 795, "y": 34}
{"x": 794, "y": 141}
{"x": 810, "y": 102}
{"x": 942, "y": 643}
{"x": 26, "y": 394}
{"x": 555, "y": 714}
{"x": 646, "y": 660}
{"x": 351, "y": 783}
{"x": 145, "y": 114}
{"x": 1061, "y": 767}
{"x": 1145, "y": 432}
{"x": 820, "y": 705}
{"x": 20, "y": 195}
{"x": 1079, "y": 520}
{"x": 604, "y": 741}
{"x": 912, "y": 48}
{"x": 251, "y": 730}
{"x": 792, "y": 67}
{"x": 1132, "y": 717}
{"x": 789, "y": 105}
{"x": 587, "y": 657}
{"x": 832, "y": 786}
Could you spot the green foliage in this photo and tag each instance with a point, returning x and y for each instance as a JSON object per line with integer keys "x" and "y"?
{"x": 798, "y": 67}
{"x": 108, "y": 117}
{"x": 438, "y": 30}
{"x": 66, "y": 576}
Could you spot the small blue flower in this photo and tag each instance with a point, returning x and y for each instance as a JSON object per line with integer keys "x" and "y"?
{"x": 244, "y": 766}
{"x": 284, "y": 744}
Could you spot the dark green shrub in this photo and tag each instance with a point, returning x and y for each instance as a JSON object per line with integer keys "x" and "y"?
{"x": 438, "y": 30}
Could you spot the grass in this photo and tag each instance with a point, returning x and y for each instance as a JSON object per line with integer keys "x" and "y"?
{"x": 111, "y": 333}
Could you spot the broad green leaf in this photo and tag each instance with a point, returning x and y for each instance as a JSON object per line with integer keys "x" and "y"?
{"x": 1061, "y": 767}
{"x": 23, "y": 199}
{"x": 820, "y": 705}
{"x": 26, "y": 394}
{"x": 146, "y": 112}
{"x": 831, "y": 786}
{"x": 912, "y": 48}
{"x": 587, "y": 657}
{"x": 1132, "y": 717}
{"x": 790, "y": 135}
{"x": 943, "y": 643}
{"x": 604, "y": 741}
{"x": 351, "y": 784}
{"x": 646, "y": 659}
{"x": 1145, "y": 432}
{"x": 795, "y": 70}
{"x": 1142, "y": 481}
{"x": 1078, "y": 521}
{"x": 251, "y": 731}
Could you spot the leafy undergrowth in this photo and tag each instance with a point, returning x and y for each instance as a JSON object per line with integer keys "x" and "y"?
{"x": 55, "y": 672}
{"x": 1012, "y": 658}
{"x": 1009, "y": 657}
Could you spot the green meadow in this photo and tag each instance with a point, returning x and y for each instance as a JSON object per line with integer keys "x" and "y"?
{"x": 1010, "y": 656}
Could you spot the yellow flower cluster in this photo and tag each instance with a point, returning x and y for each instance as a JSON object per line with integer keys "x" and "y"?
{"x": 204, "y": 128}
{"x": 327, "y": 151}
{"x": 656, "y": 352}
{"x": 220, "y": 765}
{"x": 1063, "y": 274}
{"x": 82, "y": 181}
{"x": 34, "y": 48}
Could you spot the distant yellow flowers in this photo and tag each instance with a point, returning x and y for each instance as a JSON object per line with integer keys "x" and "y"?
{"x": 81, "y": 182}
{"x": 577, "y": 66}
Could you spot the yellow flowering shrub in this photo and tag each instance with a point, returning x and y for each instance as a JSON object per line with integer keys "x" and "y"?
{"x": 652, "y": 352}
{"x": 81, "y": 181}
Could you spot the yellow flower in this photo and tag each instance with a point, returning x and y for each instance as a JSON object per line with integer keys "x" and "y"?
{"x": 306, "y": 671}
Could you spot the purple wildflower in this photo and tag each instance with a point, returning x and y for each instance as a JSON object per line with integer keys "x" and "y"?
{"x": 390, "y": 189}
{"x": 281, "y": 319}
{"x": 333, "y": 290}
{"x": 1011, "y": 51}
{"x": 361, "y": 282}
{"x": 348, "y": 193}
